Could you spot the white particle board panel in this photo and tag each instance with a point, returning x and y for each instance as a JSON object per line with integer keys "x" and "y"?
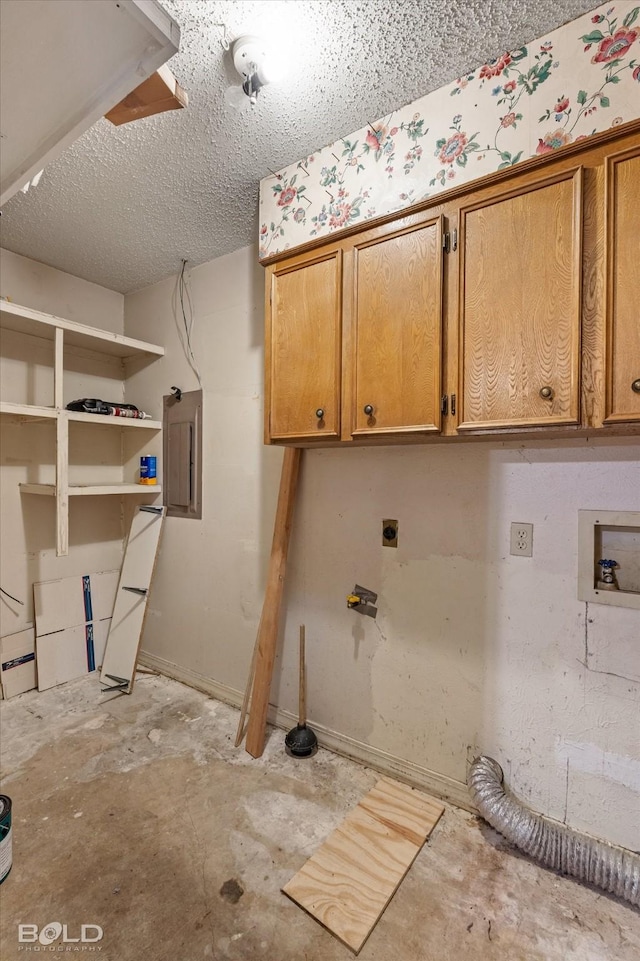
{"x": 64, "y": 65}
{"x": 71, "y": 653}
{"x": 131, "y": 598}
{"x": 18, "y": 662}
{"x": 103, "y": 593}
{"x": 72, "y": 601}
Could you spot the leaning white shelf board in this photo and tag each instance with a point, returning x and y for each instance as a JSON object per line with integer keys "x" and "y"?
{"x": 127, "y": 622}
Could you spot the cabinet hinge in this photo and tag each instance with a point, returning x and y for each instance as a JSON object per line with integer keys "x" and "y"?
{"x": 450, "y": 240}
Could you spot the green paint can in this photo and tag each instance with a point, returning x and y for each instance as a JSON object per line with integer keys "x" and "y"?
{"x": 5, "y": 836}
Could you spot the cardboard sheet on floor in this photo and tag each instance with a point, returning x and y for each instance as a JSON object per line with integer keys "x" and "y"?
{"x": 18, "y": 662}
{"x": 130, "y": 606}
{"x": 351, "y": 878}
{"x": 65, "y": 655}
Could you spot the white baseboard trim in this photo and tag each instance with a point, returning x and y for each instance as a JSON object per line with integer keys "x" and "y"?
{"x": 437, "y": 784}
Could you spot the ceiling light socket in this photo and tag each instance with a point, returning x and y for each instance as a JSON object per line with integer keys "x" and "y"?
{"x": 249, "y": 55}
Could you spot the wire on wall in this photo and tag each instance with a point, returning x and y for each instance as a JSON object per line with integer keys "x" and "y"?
{"x": 184, "y": 317}
{"x": 7, "y": 594}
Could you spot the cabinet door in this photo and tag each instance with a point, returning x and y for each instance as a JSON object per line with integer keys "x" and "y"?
{"x": 303, "y": 347}
{"x": 520, "y": 305}
{"x": 397, "y": 331}
{"x": 623, "y": 309}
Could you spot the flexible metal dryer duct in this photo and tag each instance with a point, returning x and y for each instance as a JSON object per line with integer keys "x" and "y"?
{"x": 613, "y": 869}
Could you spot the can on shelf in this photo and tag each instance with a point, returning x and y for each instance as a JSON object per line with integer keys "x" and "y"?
{"x": 148, "y": 470}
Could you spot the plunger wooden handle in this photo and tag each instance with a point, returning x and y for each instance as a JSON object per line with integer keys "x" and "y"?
{"x": 302, "y": 708}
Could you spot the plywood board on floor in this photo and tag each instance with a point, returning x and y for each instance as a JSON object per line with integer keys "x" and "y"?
{"x": 351, "y": 878}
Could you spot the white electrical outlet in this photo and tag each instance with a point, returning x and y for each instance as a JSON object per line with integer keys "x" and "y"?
{"x": 521, "y": 539}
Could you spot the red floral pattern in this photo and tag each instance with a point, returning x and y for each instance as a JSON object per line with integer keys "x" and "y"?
{"x": 552, "y": 141}
{"x": 287, "y": 196}
{"x": 495, "y": 67}
{"x": 453, "y": 148}
{"x": 340, "y": 214}
{"x": 397, "y": 161}
{"x": 616, "y": 46}
{"x": 375, "y": 137}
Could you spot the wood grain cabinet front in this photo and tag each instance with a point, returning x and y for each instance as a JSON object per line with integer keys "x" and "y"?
{"x": 520, "y": 305}
{"x": 304, "y": 348}
{"x": 396, "y": 330}
{"x": 622, "y": 351}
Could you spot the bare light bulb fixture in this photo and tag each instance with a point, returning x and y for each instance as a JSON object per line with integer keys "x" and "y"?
{"x": 251, "y": 60}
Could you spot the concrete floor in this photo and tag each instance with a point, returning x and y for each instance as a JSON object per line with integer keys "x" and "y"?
{"x": 138, "y": 814}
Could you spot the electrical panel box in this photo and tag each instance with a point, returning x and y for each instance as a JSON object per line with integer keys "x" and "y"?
{"x": 182, "y": 454}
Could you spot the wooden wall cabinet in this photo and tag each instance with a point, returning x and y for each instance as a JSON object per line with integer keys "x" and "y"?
{"x": 520, "y": 305}
{"x": 354, "y": 336}
{"x": 395, "y": 347}
{"x": 509, "y": 307}
{"x": 304, "y": 347}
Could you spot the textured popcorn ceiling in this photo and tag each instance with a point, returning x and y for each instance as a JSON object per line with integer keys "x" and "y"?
{"x": 123, "y": 205}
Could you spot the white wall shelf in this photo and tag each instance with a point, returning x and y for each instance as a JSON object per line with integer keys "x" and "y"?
{"x": 102, "y": 420}
{"x": 91, "y": 490}
{"x": 27, "y": 410}
{"x": 98, "y": 420}
{"x": 37, "y": 323}
{"x": 63, "y": 334}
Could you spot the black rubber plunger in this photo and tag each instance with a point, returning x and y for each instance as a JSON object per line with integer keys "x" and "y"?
{"x": 301, "y": 741}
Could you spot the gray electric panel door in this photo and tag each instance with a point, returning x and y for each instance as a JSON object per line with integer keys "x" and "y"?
{"x": 182, "y": 455}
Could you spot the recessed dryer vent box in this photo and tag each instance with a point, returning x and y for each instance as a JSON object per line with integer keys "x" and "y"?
{"x": 614, "y": 536}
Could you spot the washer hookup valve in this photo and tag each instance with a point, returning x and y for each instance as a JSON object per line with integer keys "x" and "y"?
{"x": 362, "y": 601}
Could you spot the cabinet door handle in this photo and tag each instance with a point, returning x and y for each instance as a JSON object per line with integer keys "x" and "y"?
{"x": 444, "y": 404}
{"x": 453, "y": 404}
{"x": 546, "y": 393}
{"x": 320, "y": 413}
{"x": 368, "y": 409}
{"x": 635, "y": 386}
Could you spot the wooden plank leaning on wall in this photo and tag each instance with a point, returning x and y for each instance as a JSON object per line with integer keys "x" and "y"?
{"x": 266, "y": 640}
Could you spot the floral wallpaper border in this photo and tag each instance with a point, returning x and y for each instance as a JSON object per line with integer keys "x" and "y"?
{"x": 579, "y": 80}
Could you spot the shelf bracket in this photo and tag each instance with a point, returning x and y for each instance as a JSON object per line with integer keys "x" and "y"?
{"x": 121, "y": 684}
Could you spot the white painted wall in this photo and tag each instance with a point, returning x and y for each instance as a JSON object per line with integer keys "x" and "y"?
{"x": 473, "y": 650}
{"x": 27, "y": 451}
{"x": 36, "y": 285}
